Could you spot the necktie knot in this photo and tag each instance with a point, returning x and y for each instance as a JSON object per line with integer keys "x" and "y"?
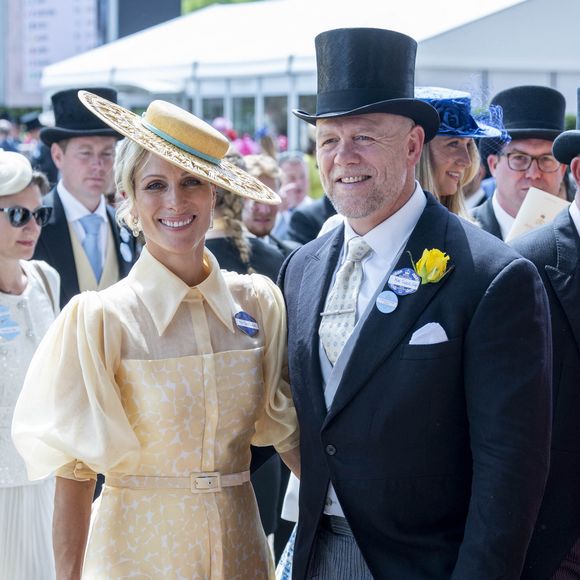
{"x": 91, "y": 224}
{"x": 357, "y": 249}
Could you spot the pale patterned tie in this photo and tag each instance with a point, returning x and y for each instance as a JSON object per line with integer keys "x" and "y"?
{"x": 339, "y": 316}
{"x": 92, "y": 225}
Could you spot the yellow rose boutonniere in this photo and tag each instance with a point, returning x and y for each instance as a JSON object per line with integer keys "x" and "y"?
{"x": 432, "y": 266}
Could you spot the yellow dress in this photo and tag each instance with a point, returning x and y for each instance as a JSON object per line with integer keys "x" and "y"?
{"x": 149, "y": 381}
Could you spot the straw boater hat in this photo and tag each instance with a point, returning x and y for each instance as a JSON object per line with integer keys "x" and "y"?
{"x": 183, "y": 140}
{"x": 567, "y": 145}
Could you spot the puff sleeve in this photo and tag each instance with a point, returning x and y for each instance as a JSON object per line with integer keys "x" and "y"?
{"x": 70, "y": 406}
{"x": 278, "y": 424}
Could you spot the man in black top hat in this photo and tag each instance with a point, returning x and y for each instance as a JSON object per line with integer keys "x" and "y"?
{"x": 419, "y": 350}
{"x": 554, "y": 551}
{"x": 82, "y": 240}
{"x": 534, "y": 117}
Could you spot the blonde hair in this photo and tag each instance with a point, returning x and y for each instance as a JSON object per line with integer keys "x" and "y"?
{"x": 263, "y": 166}
{"x": 130, "y": 159}
{"x": 229, "y": 207}
{"x": 426, "y": 177}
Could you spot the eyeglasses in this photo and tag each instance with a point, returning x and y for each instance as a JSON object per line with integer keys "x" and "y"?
{"x": 522, "y": 162}
{"x": 20, "y": 216}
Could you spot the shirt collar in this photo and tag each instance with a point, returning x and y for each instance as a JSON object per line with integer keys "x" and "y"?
{"x": 389, "y": 235}
{"x": 504, "y": 219}
{"x": 575, "y": 214}
{"x": 74, "y": 209}
{"x": 163, "y": 300}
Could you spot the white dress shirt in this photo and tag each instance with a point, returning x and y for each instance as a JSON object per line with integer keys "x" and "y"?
{"x": 575, "y": 214}
{"x": 75, "y": 210}
{"x": 387, "y": 241}
{"x": 504, "y": 219}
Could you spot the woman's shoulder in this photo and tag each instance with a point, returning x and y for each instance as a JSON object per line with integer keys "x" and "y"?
{"x": 248, "y": 288}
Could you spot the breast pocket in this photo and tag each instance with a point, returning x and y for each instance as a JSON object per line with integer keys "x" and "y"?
{"x": 445, "y": 349}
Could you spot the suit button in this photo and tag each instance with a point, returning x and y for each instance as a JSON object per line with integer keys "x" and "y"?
{"x": 330, "y": 450}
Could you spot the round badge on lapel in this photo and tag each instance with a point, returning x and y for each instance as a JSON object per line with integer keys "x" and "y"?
{"x": 403, "y": 282}
{"x": 246, "y": 323}
{"x": 387, "y": 301}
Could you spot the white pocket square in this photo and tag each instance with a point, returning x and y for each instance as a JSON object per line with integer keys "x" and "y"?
{"x": 431, "y": 333}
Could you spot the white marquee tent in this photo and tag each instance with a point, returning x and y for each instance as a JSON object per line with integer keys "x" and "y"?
{"x": 258, "y": 58}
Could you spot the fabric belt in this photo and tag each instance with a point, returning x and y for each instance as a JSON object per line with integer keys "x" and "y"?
{"x": 206, "y": 482}
{"x": 336, "y": 525}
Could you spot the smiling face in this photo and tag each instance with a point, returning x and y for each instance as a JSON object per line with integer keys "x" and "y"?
{"x": 19, "y": 243}
{"x": 367, "y": 165}
{"x": 512, "y": 186}
{"x": 174, "y": 208}
{"x": 258, "y": 217}
{"x": 450, "y": 160}
{"x": 85, "y": 165}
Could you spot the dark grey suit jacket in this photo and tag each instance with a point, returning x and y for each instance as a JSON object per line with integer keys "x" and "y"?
{"x": 555, "y": 250}
{"x": 485, "y": 216}
{"x": 438, "y": 452}
{"x": 55, "y": 247}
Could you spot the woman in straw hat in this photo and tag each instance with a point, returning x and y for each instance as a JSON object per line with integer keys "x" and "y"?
{"x": 162, "y": 381}
{"x": 28, "y": 304}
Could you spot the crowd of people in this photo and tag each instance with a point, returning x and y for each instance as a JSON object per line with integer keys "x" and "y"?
{"x": 212, "y": 374}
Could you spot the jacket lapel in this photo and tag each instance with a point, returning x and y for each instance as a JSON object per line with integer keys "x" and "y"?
{"x": 56, "y": 243}
{"x": 565, "y": 277}
{"x": 319, "y": 266}
{"x": 382, "y": 333}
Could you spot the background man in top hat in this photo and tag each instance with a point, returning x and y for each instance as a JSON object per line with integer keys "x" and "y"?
{"x": 534, "y": 117}
{"x": 554, "y": 551}
{"x": 82, "y": 240}
{"x": 425, "y": 428}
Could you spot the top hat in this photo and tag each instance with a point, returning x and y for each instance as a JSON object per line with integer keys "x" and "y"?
{"x": 368, "y": 70}
{"x": 567, "y": 145}
{"x": 31, "y": 121}
{"x": 71, "y": 119}
{"x": 532, "y": 112}
{"x": 181, "y": 139}
{"x": 457, "y": 119}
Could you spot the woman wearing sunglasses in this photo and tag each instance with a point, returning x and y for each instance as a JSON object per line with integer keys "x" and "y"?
{"x": 164, "y": 380}
{"x": 27, "y": 307}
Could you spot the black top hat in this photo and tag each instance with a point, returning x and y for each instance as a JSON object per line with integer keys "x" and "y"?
{"x": 532, "y": 112}
{"x": 368, "y": 70}
{"x": 31, "y": 121}
{"x": 567, "y": 145}
{"x": 73, "y": 119}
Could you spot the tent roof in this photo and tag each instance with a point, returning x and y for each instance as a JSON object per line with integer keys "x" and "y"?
{"x": 257, "y": 38}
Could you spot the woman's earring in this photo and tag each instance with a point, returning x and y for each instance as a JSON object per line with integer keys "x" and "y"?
{"x": 211, "y": 220}
{"x": 135, "y": 226}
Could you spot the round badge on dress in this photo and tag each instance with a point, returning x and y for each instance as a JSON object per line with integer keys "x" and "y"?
{"x": 9, "y": 328}
{"x": 246, "y": 323}
{"x": 126, "y": 252}
{"x": 387, "y": 301}
{"x": 403, "y": 282}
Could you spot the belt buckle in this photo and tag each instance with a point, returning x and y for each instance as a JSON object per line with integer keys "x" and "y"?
{"x": 208, "y": 482}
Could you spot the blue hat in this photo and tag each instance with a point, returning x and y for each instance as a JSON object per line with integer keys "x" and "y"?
{"x": 454, "y": 108}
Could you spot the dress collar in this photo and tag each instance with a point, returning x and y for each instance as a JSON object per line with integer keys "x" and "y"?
{"x": 162, "y": 292}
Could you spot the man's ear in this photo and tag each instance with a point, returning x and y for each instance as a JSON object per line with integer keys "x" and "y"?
{"x": 575, "y": 169}
{"x": 415, "y": 143}
{"x": 492, "y": 161}
{"x": 57, "y": 154}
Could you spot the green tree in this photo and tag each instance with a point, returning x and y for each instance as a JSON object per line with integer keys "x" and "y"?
{"x": 191, "y": 5}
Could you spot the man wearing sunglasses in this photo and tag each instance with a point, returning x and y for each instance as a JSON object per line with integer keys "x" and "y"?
{"x": 81, "y": 240}
{"x": 534, "y": 117}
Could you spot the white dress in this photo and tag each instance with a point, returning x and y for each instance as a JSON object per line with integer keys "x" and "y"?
{"x": 25, "y": 507}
